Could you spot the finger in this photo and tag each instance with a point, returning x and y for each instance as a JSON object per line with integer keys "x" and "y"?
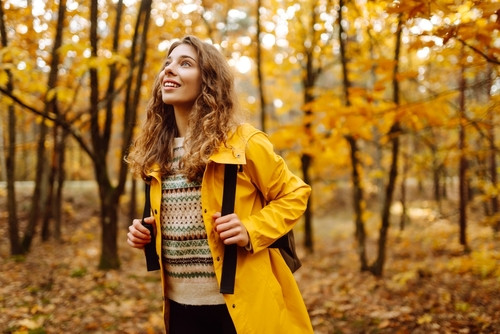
{"x": 137, "y": 224}
{"x": 230, "y": 230}
{"x": 138, "y": 236}
{"x": 139, "y": 231}
{"x": 134, "y": 244}
{"x": 233, "y": 232}
{"x": 221, "y": 227}
{"x": 238, "y": 239}
{"x": 221, "y": 220}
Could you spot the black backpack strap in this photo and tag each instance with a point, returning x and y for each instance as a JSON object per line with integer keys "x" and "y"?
{"x": 152, "y": 260}
{"x": 230, "y": 251}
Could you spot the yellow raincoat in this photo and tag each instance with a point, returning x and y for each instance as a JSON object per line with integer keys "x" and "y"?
{"x": 269, "y": 201}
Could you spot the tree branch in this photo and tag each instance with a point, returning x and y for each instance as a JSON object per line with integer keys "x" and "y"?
{"x": 481, "y": 53}
{"x": 65, "y": 125}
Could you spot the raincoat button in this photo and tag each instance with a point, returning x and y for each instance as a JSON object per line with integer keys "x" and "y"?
{"x": 218, "y": 258}
{"x": 205, "y": 210}
{"x": 234, "y": 305}
{"x": 156, "y": 212}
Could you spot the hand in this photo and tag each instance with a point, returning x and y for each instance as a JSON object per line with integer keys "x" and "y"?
{"x": 230, "y": 229}
{"x": 138, "y": 236}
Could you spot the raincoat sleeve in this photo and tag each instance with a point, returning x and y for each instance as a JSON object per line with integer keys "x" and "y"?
{"x": 284, "y": 195}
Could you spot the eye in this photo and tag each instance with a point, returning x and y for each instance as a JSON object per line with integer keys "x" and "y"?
{"x": 165, "y": 65}
{"x": 185, "y": 63}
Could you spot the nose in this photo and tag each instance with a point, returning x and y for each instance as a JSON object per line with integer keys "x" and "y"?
{"x": 169, "y": 69}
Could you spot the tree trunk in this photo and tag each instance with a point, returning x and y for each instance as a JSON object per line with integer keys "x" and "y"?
{"x": 308, "y": 83}
{"x": 109, "y": 203}
{"x": 48, "y": 107}
{"x": 37, "y": 192}
{"x": 61, "y": 175}
{"x": 436, "y": 174}
{"x": 463, "y": 187}
{"x": 10, "y": 156}
{"x": 404, "y": 212}
{"x": 357, "y": 188}
{"x": 49, "y": 198}
{"x": 378, "y": 267}
{"x": 494, "y": 203}
{"x": 109, "y": 194}
{"x": 109, "y": 227}
{"x": 357, "y": 198}
{"x": 15, "y": 245}
{"x": 308, "y": 232}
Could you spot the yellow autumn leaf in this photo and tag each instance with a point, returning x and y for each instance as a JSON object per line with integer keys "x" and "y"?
{"x": 488, "y": 8}
{"x": 4, "y": 78}
{"x": 65, "y": 94}
{"x": 31, "y": 323}
{"x": 462, "y": 306}
{"x": 424, "y": 319}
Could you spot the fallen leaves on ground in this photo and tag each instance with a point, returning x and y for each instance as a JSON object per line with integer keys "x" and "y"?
{"x": 429, "y": 285}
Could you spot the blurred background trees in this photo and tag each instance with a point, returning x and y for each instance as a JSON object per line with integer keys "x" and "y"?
{"x": 367, "y": 96}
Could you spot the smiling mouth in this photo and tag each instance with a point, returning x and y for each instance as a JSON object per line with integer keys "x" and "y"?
{"x": 171, "y": 84}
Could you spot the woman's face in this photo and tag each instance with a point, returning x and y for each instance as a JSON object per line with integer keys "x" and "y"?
{"x": 181, "y": 78}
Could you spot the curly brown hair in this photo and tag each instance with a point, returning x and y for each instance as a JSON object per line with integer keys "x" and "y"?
{"x": 213, "y": 117}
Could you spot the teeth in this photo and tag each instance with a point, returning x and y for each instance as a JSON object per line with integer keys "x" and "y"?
{"x": 170, "y": 84}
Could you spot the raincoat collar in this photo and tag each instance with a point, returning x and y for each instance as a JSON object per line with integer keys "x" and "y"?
{"x": 232, "y": 152}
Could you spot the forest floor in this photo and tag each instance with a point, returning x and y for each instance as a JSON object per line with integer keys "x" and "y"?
{"x": 429, "y": 285}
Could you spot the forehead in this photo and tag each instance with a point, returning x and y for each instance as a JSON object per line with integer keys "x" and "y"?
{"x": 183, "y": 50}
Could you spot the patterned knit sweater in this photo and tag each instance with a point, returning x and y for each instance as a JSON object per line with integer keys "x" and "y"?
{"x": 186, "y": 256}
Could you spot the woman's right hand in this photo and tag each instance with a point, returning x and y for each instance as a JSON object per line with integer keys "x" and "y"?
{"x": 138, "y": 236}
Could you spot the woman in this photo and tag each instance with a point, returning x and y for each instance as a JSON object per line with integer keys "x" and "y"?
{"x": 191, "y": 131}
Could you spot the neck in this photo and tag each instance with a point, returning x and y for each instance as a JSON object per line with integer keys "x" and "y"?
{"x": 181, "y": 119}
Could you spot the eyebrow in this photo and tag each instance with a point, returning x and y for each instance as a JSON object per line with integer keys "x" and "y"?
{"x": 184, "y": 57}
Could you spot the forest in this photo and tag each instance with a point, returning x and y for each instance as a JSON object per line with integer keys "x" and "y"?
{"x": 389, "y": 109}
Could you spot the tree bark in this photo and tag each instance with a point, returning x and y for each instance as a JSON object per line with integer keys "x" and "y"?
{"x": 49, "y": 198}
{"x": 403, "y": 220}
{"x": 308, "y": 230}
{"x": 308, "y": 82}
{"x": 110, "y": 195}
{"x": 377, "y": 267}
{"x": 48, "y": 107}
{"x": 494, "y": 202}
{"x": 61, "y": 176}
{"x": 462, "y": 174}
{"x": 10, "y": 156}
{"x": 357, "y": 198}
{"x": 357, "y": 188}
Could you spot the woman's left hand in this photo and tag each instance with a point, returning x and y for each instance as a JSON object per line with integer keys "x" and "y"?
{"x": 230, "y": 229}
